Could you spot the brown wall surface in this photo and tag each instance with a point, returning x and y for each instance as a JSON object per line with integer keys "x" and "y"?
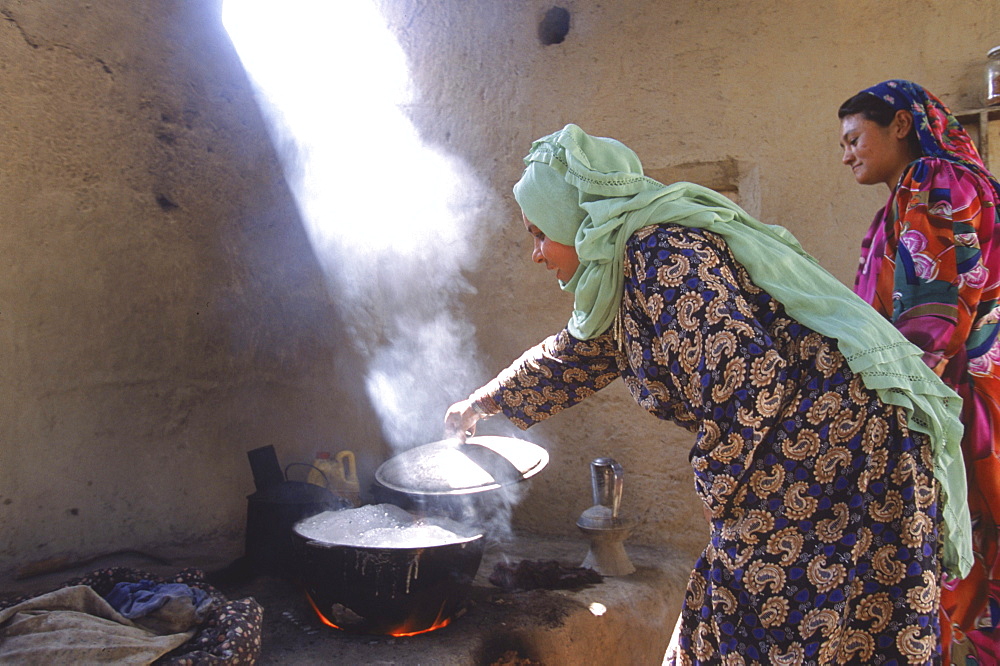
{"x": 162, "y": 311}
{"x": 160, "y": 308}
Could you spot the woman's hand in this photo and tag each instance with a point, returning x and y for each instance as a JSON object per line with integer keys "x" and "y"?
{"x": 460, "y": 420}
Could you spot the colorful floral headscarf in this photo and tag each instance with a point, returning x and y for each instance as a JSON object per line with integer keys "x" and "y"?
{"x": 939, "y": 132}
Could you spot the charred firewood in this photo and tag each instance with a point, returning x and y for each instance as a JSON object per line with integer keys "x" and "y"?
{"x": 542, "y": 574}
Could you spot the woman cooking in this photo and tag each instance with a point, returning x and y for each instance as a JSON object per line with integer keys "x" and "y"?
{"x": 931, "y": 265}
{"x": 820, "y": 436}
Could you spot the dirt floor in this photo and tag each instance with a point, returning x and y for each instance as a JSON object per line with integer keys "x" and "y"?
{"x": 496, "y": 627}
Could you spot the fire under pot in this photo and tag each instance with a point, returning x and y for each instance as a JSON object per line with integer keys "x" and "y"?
{"x": 415, "y": 573}
{"x": 404, "y": 577}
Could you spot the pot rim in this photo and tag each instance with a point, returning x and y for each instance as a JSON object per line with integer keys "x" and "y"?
{"x": 463, "y": 533}
{"x": 388, "y": 549}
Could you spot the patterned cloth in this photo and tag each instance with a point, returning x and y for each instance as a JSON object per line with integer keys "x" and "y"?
{"x": 938, "y": 130}
{"x": 229, "y": 635}
{"x": 824, "y": 529}
{"x": 930, "y": 263}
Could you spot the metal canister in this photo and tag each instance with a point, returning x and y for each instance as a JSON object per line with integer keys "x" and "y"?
{"x": 607, "y": 479}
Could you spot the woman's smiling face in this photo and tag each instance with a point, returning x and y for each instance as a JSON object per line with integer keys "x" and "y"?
{"x": 874, "y": 153}
{"x": 556, "y": 256}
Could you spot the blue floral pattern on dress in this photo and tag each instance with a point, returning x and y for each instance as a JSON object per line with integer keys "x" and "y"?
{"x": 823, "y": 504}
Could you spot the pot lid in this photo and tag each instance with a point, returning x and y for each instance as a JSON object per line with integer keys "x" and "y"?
{"x": 449, "y": 467}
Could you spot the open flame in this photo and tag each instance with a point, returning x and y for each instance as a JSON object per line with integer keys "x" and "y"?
{"x": 439, "y": 622}
{"x": 407, "y": 628}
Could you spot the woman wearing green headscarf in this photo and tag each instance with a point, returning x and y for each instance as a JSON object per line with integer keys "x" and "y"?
{"x": 825, "y": 450}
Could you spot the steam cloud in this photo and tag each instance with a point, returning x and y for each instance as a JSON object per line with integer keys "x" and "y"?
{"x": 385, "y": 213}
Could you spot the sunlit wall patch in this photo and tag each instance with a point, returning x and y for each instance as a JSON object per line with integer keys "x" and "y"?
{"x": 388, "y": 216}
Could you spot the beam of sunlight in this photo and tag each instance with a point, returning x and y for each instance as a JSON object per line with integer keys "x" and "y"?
{"x": 388, "y": 216}
{"x": 335, "y": 82}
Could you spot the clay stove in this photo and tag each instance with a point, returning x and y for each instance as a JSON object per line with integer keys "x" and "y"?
{"x": 623, "y": 620}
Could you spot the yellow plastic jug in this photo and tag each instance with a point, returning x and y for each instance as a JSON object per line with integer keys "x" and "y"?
{"x": 338, "y": 473}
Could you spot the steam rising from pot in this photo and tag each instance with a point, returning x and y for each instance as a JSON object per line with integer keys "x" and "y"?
{"x": 388, "y": 216}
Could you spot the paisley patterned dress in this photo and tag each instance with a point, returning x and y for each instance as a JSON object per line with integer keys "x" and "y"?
{"x": 824, "y": 530}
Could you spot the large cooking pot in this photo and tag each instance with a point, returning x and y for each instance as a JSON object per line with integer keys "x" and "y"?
{"x": 405, "y": 589}
{"x": 398, "y": 590}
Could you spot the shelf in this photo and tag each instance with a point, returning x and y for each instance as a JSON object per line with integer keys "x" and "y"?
{"x": 983, "y": 125}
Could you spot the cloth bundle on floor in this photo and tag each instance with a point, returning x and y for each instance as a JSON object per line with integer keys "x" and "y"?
{"x": 163, "y": 608}
{"x": 127, "y": 616}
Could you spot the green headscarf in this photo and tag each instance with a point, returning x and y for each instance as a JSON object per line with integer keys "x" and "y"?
{"x": 607, "y": 184}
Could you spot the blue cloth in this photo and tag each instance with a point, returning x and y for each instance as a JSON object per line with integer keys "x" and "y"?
{"x": 135, "y": 600}
{"x": 939, "y": 132}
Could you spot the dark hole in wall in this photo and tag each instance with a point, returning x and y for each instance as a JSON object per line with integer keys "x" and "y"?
{"x": 165, "y": 203}
{"x": 554, "y": 26}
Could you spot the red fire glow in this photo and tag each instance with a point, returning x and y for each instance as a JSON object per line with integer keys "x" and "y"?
{"x": 405, "y": 629}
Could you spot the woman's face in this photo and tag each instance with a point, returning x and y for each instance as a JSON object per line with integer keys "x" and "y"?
{"x": 876, "y": 154}
{"x": 556, "y": 256}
